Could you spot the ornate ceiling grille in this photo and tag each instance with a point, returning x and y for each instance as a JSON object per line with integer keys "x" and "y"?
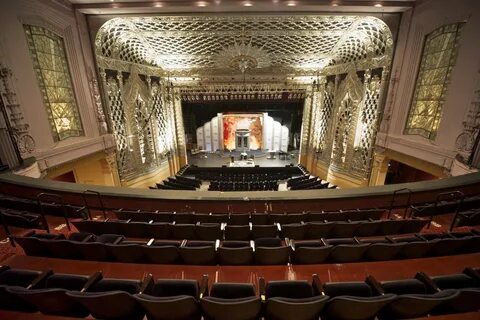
{"x": 186, "y": 45}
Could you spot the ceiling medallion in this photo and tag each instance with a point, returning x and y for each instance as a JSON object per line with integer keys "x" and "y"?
{"x": 243, "y": 56}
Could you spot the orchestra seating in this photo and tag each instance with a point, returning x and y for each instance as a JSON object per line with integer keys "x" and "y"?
{"x": 215, "y": 242}
{"x": 78, "y": 295}
{"x": 115, "y": 247}
{"x": 195, "y": 230}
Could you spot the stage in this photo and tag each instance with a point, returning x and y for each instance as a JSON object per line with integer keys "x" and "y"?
{"x": 260, "y": 158}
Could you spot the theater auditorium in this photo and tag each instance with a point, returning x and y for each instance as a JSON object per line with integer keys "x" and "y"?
{"x": 240, "y": 159}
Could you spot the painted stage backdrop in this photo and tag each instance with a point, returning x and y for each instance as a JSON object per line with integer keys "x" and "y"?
{"x": 251, "y": 122}
{"x": 264, "y": 132}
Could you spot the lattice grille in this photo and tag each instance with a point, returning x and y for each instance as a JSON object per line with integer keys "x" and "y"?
{"x": 298, "y": 42}
{"x": 368, "y": 121}
{"x": 117, "y": 118}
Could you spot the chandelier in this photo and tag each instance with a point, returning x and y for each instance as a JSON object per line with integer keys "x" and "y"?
{"x": 243, "y": 56}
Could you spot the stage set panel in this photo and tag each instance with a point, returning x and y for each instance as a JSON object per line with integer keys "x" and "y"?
{"x": 243, "y": 132}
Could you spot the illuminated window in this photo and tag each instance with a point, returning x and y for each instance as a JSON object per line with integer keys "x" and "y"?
{"x": 438, "y": 58}
{"x": 51, "y": 67}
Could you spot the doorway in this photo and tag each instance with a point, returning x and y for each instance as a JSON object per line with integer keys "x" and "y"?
{"x": 242, "y": 141}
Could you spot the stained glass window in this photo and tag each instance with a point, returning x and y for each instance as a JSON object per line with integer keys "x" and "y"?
{"x": 438, "y": 58}
{"x": 51, "y": 67}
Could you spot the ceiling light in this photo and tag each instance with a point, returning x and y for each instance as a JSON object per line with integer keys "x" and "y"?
{"x": 378, "y": 5}
{"x": 291, "y": 3}
{"x": 202, "y": 3}
{"x": 275, "y": 1}
{"x": 247, "y": 4}
{"x": 158, "y": 4}
{"x": 334, "y": 4}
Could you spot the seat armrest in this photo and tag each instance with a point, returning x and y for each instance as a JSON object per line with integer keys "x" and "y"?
{"x": 390, "y": 239}
{"x": 29, "y": 233}
{"x": 317, "y": 285}
{"x": 322, "y": 240}
{"x": 292, "y": 244}
{"x": 150, "y": 242}
{"x": 261, "y": 288}
{"x": 204, "y": 286}
{"x": 423, "y": 277}
{"x": 106, "y": 220}
{"x": 119, "y": 240}
{"x": 357, "y": 241}
{"x": 41, "y": 277}
{"x": 4, "y": 268}
{"x": 472, "y": 273}
{"x": 419, "y": 236}
{"x": 184, "y": 243}
{"x": 88, "y": 238}
{"x": 129, "y": 220}
{"x": 147, "y": 282}
{"x": 94, "y": 278}
{"x": 375, "y": 285}
{"x": 287, "y": 242}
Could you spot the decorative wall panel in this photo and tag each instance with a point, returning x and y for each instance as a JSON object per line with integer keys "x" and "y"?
{"x": 51, "y": 67}
{"x": 142, "y": 120}
{"x": 438, "y": 59}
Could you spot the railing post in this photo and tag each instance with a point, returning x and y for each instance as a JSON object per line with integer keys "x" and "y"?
{"x": 393, "y": 201}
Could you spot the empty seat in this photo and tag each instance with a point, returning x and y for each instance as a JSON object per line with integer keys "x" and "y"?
{"x": 235, "y": 253}
{"x": 218, "y": 218}
{"x": 409, "y": 306}
{"x": 63, "y": 249}
{"x": 93, "y": 251}
{"x": 19, "y": 278}
{"x": 159, "y": 230}
{"x": 295, "y": 231}
{"x": 208, "y": 231}
{"x": 343, "y": 229}
{"x": 184, "y": 218}
{"x": 297, "y": 217}
{"x": 52, "y": 299}
{"x": 172, "y": 299}
{"x": 237, "y": 232}
{"x": 347, "y": 253}
{"x": 129, "y": 253}
{"x": 260, "y": 218}
{"x": 367, "y": 228}
{"x": 355, "y": 308}
{"x": 204, "y": 254}
{"x": 414, "y": 250}
{"x": 382, "y": 251}
{"x": 264, "y": 231}
{"x": 281, "y": 218}
{"x": 183, "y": 231}
{"x": 239, "y": 219}
{"x": 293, "y": 300}
{"x": 236, "y": 301}
{"x": 310, "y": 252}
{"x": 317, "y": 230}
{"x": 270, "y": 251}
{"x": 160, "y": 254}
{"x": 111, "y": 299}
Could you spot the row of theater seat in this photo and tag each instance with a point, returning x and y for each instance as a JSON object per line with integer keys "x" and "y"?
{"x": 213, "y": 231}
{"x": 447, "y": 206}
{"x": 246, "y": 218}
{"x": 264, "y": 251}
{"x": 243, "y": 186}
{"x": 73, "y": 295}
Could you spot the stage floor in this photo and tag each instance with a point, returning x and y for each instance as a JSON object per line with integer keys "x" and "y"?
{"x": 261, "y": 158}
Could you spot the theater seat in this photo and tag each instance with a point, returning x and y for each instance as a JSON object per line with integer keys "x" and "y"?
{"x": 231, "y": 301}
{"x": 19, "y": 278}
{"x": 310, "y": 252}
{"x": 235, "y": 253}
{"x": 355, "y": 308}
{"x": 52, "y": 299}
{"x": 172, "y": 299}
{"x": 111, "y": 299}
{"x": 269, "y": 251}
{"x": 297, "y": 300}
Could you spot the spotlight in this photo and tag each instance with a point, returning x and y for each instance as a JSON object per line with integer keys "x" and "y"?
{"x": 378, "y": 5}
{"x": 247, "y": 4}
{"x": 158, "y": 4}
{"x": 334, "y": 4}
{"x": 202, "y": 4}
{"x": 291, "y": 3}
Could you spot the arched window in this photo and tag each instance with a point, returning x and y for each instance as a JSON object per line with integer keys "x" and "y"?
{"x": 438, "y": 58}
{"x": 51, "y": 67}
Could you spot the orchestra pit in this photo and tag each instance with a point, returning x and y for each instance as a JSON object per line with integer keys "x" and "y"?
{"x": 240, "y": 159}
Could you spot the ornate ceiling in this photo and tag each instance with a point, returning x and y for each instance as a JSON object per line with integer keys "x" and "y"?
{"x": 213, "y": 45}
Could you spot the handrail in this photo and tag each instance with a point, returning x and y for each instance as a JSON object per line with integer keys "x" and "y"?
{"x": 59, "y": 199}
{"x": 393, "y": 201}
{"x": 99, "y": 195}
{"x": 7, "y": 230}
{"x": 455, "y": 196}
